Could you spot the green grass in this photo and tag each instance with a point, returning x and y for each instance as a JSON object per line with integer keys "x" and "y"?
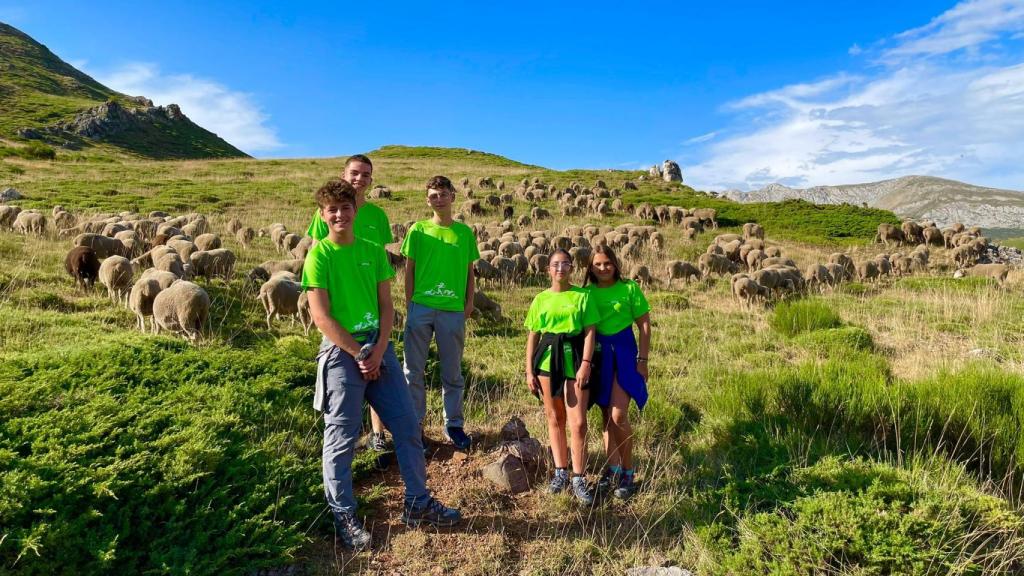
{"x": 797, "y": 316}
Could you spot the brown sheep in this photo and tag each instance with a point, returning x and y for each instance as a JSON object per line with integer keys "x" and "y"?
{"x": 140, "y": 300}
{"x": 83, "y": 265}
{"x": 997, "y": 272}
{"x": 818, "y": 275}
{"x": 748, "y": 290}
{"x": 209, "y": 264}
{"x": 845, "y": 261}
{"x": 753, "y": 230}
{"x": 868, "y": 270}
{"x": 715, "y": 264}
{"x": 681, "y": 269}
{"x": 889, "y": 233}
{"x": 485, "y": 307}
{"x": 207, "y": 241}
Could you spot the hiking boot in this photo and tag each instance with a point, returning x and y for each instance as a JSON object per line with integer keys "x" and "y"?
{"x": 378, "y": 442}
{"x": 627, "y": 487}
{"x": 609, "y": 481}
{"x": 433, "y": 512}
{"x": 350, "y": 532}
{"x": 581, "y": 491}
{"x": 457, "y": 436}
{"x": 559, "y": 481}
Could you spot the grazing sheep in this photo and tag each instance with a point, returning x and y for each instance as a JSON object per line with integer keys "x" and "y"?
{"x": 912, "y": 232}
{"x": 140, "y": 300}
{"x": 245, "y": 236}
{"x": 964, "y": 255}
{"x": 234, "y": 225}
{"x": 116, "y": 274}
{"x": 777, "y": 261}
{"x": 103, "y": 245}
{"x": 889, "y": 233}
{"x": 306, "y": 316}
{"x": 472, "y": 207}
{"x": 723, "y": 239}
{"x": 681, "y": 269}
{"x": 195, "y": 228}
{"x": 8, "y": 214}
{"x": 63, "y": 220}
{"x": 748, "y": 290}
{"x": 715, "y": 264}
{"x": 183, "y": 307}
{"x": 818, "y": 275}
{"x": 845, "y": 261}
{"x": 484, "y": 269}
{"x": 642, "y": 276}
{"x": 868, "y": 270}
{"x": 182, "y": 246}
{"x": 30, "y": 222}
{"x": 997, "y": 272}
{"x": 162, "y": 277}
{"x": 792, "y": 278}
{"x": 209, "y": 264}
{"x": 83, "y": 265}
{"x": 902, "y": 265}
{"x": 171, "y": 262}
{"x": 539, "y": 263}
{"x": 300, "y": 250}
{"x": 753, "y": 230}
{"x": 280, "y": 296}
{"x": 754, "y": 259}
{"x": 707, "y": 216}
{"x": 772, "y": 252}
{"x": 884, "y": 266}
{"x": 207, "y": 241}
{"x": 838, "y": 272}
{"x": 932, "y": 236}
{"x": 506, "y": 267}
{"x": 484, "y": 307}
{"x": 264, "y": 271}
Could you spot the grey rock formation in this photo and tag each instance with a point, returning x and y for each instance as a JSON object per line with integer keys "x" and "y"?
{"x": 111, "y": 118}
{"x": 10, "y": 194}
{"x": 671, "y": 172}
{"x": 654, "y": 171}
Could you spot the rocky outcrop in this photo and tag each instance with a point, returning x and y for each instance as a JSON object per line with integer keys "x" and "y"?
{"x": 10, "y": 194}
{"x": 671, "y": 172}
{"x": 112, "y": 118}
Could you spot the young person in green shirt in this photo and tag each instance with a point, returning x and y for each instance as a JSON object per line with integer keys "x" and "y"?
{"x": 439, "y": 288}
{"x": 621, "y": 365}
{"x": 559, "y": 353}
{"x": 349, "y": 284}
{"x": 371, "y": 224}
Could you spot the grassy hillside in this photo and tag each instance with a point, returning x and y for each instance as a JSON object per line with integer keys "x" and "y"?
{"x": 39, "y": 90}
{"x": 873, "y": 429}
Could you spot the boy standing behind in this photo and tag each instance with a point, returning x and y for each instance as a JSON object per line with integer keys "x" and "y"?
{"x": 439, "y": 289}
{"x": 349, "y": 284}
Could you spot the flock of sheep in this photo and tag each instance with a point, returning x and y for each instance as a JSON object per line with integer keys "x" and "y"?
{"x": 170, "y": 252}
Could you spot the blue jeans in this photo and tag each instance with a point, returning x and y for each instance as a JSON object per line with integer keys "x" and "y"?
{"x": 343, "y": 390}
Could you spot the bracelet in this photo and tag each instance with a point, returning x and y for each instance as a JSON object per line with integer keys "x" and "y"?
{"x": 641, "y": 359}
{"x": 585, "y": 360}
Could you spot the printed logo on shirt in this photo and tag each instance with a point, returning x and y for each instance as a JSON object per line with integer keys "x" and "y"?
{"x": 441, "y": 291}
{"x": 364, "y": 263}
{"x": 369, "y": 323}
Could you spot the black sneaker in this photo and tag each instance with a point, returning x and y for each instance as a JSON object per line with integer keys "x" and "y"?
{"x": 626, "y": 489}
{"x": 559, "y": 481}
{"x": 350, "y": 532}
{"x": 581, "y": 491}
{"x": 433, "y": 513}
{"x": 457, "y": 436}
{"x": 609, "y": 480}
{"x": 378, "y": 442}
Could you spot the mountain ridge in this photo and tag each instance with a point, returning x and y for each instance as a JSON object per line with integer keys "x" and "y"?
{"x": 920, "y": 197}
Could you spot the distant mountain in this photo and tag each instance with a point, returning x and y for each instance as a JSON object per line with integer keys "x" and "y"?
{"x": 44, "y": 98}
{"x": 918, "y": 197}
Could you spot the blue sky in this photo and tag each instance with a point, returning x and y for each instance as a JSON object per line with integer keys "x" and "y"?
{"x": 740, "y": 93}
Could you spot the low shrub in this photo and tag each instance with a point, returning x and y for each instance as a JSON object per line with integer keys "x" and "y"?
{"x": 838, "y": 341}
{"x": 793, "y": 317}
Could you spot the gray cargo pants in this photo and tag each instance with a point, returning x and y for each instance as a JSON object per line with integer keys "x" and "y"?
{"x": 449, "y": 329}
{"x": 340, "y": 390}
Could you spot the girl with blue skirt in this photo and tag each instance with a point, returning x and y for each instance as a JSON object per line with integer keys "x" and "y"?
{"x": 622, "y": 367}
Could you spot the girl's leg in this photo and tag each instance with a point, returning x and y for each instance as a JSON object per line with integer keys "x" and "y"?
{"x": 554, "y": 409}
{"x": 576, "y": 413}
{"x": 620, "y": 427}
{"x": 609, "y": 439}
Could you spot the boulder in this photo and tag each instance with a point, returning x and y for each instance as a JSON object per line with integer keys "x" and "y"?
{"x": 514, "y": 429}
{"x": 508, "y": 473}
{"x": 654, "y": 171}
{"x": 10, "y": 194}
{"x": 671, "y": 172}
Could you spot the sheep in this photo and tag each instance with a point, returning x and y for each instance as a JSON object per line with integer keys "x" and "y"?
{"x": 483, "y": 269}
{"x": 280, "y": 296}
{"x": 63, "y": 219}
{"x": 706, "y": 215}
{"x": 484, "y": 307}
{"x": 162, "y": 277}
{"x": 681, "y": 269}
{"x": 245, "y": 236}
{"x": 714, "y": 263}
{"x": 103, "y": 245}
{"x": 912, "y": 232}
{"x": 845, "y": 261}
{"x": 770, "y": 278}
{"x": 116, "y": 274}
{"x": 505, "y": 267}
{"x": 509, "y": 249}
{"x": 538, "y": 263}
{"x": 889, "y": 233}
{"x": 264, "y": 271}
{"x": 140, "y": 300}
{"x": 195, "y": 228}
{"x": 748, "y": 290}
{"x": 777, "y": 261}
{"x": 234, "y": 225}
{"x": 306, "y": 315}
{"x": 791, "y": 277}
{"x": 82, "y": 264}
{"x": 732, "y": 250}
{"x": 772, "y": 252}
{"x": 30, "y": 222}
{"x": 997, "y": 272}
{"x": 819, "y": 276}
{"x": 868, "y": 270}
{"x": 642, "y": 276}
{"x": 838, "y": 272}
{"x": 207, "y": 241}
{"x": 538, "y": 213}
{"x": 963, "y": 255}
{"x": 754, "y": 259}
{"x": 8, "y": 214}
{"x": 472, "y": 207}
{"x": 182, "y": 246}
{"x": 933, "y": 236}
{"x": 183, "y": 307}
{"x": 303, "y": 247}
{"x": 723, "y": 239}
{"x": 213, "y": 263}
{"x": 171, "y": 262}
{"x": 753, "y": 230}
{"x": 288, "y": 242}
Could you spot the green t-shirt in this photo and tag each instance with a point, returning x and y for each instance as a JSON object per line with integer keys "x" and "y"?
{"x": 566, "y": 312}
{"x": 619, "y": 305}
{"x": 350, "y": 274}
{"x": 442, "y": 255}
{"x": 371, "y": 224}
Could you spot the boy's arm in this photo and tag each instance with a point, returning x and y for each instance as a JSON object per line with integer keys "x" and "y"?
{"x": 386, "y": 311}
{"x": 410, "y": 280}
{"x": 320, "y": 308}
{"x": 470, "y": 291}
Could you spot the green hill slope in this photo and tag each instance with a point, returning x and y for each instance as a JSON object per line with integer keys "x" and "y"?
{"x": 44, "y": 98}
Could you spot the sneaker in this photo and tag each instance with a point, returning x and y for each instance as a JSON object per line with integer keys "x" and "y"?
{"x": 433, "y": 513}
{"x": 608, "y": 481}
{"x": 581, "y": 490}
{"x": 457, "y": 436}
{"x": 350, "y": 532}
{"x": 559, "y": 481}
{"x": 626, "y": 489}
{"x": 378, "y": 442}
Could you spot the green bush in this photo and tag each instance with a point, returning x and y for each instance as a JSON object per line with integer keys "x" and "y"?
{"x": 31, "y": 151}
{"x": 154, "y": 456}
{"x": 838, "y": 341}
{"x": 796, "y": 316}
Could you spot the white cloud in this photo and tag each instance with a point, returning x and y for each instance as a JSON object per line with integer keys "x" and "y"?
{"x": 701, "y": 139}
{"x": 941, "y": 115}
{"x": 232, "y": 115}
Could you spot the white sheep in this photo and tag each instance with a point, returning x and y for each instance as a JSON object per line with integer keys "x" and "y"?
{"x": 280, "y": 296}
{"x": 116, "y": 274}
{"x": 140, "y": 300}
{"x": 219, "y": 263}
{"x": 183, "y": 307}
{"x": 997, "y": 272}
